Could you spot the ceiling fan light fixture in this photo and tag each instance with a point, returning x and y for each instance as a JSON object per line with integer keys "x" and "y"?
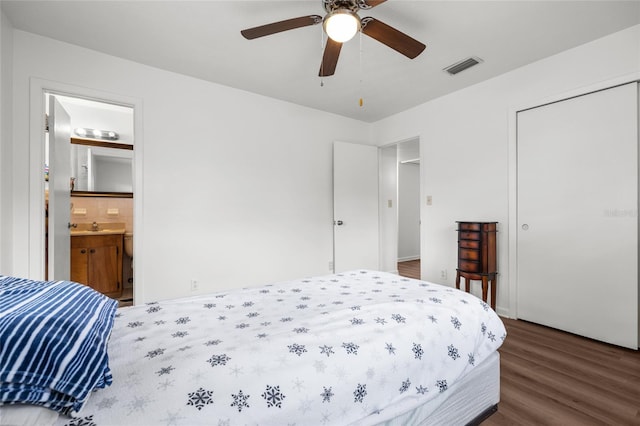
{"x": 341, "y": 25}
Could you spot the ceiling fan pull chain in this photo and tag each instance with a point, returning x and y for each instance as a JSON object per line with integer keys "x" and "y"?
{"x": 360, "y": 40}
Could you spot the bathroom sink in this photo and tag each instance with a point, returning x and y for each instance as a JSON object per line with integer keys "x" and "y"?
{"x": 98, "y": 228}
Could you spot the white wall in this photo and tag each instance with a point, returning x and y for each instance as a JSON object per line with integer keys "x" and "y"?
{"x": 408, "y": 211}
{"x": 220, "y": 204}
{"x": 6, "y": 166}
{"x": 237, "y": 187}
{"x": 388, "y": 212}
{"x": 465, "y": 144}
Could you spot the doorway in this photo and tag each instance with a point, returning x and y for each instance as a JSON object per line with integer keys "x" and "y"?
{"x": 97, "y": 169}
{"x": 409, "y": 208}
{"x": 400, "y": 208}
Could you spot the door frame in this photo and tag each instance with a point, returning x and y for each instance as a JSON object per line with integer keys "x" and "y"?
{"x": 382, "y": 202}
{"x": 37, "y": 89}
{"x": 511, "y": 278}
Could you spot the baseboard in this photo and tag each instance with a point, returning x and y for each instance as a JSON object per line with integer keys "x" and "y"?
{"x": 503, "y": 312}
{"x": 408, "y": 258}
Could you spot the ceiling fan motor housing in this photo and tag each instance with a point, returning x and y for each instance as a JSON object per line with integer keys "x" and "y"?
{"x": 351, "y": 5}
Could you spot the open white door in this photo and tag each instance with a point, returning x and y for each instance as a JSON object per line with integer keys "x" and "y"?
{"x": 355, "y": 206}
{"x": 59, "y": 191}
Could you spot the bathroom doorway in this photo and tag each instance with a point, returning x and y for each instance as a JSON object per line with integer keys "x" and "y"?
{"x": 99, "y": 164}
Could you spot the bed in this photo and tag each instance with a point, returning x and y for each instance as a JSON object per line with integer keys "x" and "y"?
{"x": 362, "y": 347}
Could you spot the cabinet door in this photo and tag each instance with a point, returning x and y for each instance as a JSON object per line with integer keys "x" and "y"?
{"x": 103, "y": 269}
{"x": 79, "y": 265}
{"x": 577, "y": 252}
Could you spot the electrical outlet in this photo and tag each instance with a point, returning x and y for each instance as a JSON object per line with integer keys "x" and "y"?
{"x": 443, "y": 274}
{"x": 195, "y": 285}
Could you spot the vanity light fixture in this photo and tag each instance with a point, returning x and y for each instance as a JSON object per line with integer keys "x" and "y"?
{"x": 107, "y": 135}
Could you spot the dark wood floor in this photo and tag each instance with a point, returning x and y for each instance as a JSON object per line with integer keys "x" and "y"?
{"x": 409, "y": 269}
{"x": 550, "y": 377}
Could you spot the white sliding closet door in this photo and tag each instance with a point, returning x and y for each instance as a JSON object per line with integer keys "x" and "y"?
{"x": 577, "y": 250}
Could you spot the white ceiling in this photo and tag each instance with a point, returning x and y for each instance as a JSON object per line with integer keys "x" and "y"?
{"x": 202, "y": 39}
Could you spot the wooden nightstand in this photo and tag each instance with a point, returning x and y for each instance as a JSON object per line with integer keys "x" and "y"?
{"x": 477, "y": 256}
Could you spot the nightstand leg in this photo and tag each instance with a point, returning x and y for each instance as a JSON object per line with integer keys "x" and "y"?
{"x": 466, "y": 284}
{"x": 484, "y": 288}
{"x": 494, "y": 284}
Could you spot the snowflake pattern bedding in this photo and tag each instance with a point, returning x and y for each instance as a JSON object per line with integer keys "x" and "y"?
{"x": 359, "y": 347}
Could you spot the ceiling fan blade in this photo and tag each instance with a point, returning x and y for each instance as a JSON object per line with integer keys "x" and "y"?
{"x": 277, "y": 27}
{"x": 393, "y": 38}
{"x": 368, "y": 4}
{"x": 330, "y": 58}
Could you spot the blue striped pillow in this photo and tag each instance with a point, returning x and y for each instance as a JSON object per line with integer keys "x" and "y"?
{"x": 53, "y": 343}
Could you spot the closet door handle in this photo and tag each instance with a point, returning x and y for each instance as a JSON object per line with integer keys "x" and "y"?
{"x": 525, "y": 227}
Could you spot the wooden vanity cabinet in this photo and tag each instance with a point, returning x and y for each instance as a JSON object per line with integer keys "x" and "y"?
{"x": 96, "y": 260}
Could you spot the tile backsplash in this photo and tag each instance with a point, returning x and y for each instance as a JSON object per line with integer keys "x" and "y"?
{"x": 102, "y": 209}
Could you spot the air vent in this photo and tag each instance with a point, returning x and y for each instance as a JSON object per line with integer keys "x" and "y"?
{"x": 462, "y": 65}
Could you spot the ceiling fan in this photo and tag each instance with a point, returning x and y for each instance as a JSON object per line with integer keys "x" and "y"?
{"x": 341, "y": 23}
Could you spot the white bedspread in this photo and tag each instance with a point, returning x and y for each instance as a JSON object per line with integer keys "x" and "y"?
{"x": 359, "y": 347}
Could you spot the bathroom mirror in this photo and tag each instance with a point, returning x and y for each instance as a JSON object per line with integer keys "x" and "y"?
{"x": 101, "y": 168}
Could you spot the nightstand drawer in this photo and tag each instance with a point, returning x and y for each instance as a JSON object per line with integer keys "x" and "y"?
{"x": 466, "y": 226}
{"x": 467, "y": 254}
{"x": 469, "y": 266}
{"x": 469, "y": 235}
{"x": 472, "y": 244}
